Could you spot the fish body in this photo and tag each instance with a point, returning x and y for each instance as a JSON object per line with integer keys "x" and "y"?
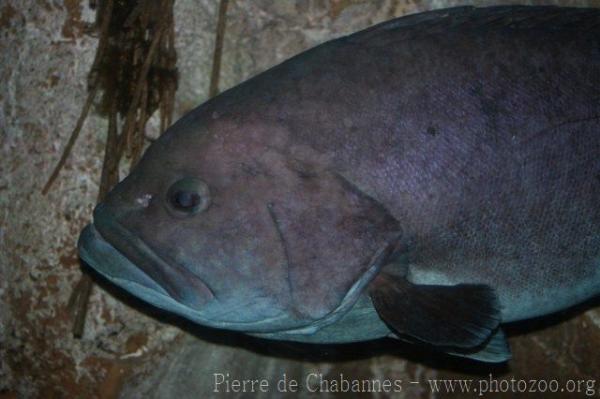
{"x": 429, "y": 179}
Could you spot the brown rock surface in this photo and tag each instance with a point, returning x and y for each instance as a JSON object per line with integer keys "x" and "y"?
{"x": 46, "y": 55}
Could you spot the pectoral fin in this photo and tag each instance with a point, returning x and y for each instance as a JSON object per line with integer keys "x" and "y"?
{"x": 456, "y": 316}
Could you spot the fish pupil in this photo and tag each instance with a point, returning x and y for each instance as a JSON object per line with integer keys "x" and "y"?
{"x": 186, "y": 199}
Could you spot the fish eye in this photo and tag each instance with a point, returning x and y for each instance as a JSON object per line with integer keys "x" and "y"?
{"x": 188, "y": 196}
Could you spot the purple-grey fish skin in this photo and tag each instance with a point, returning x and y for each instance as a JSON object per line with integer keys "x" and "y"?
{"x": 444, "y": 155}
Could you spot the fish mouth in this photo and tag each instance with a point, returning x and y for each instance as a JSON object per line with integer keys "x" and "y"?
{"x": 123, "y": 266}
{"x": 180, "y": 283}
{"x": 105, "y": 259}
{"x": 134, "y": 267}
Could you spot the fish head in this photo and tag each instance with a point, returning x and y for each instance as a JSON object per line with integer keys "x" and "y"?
{"x": 227, "y": 225}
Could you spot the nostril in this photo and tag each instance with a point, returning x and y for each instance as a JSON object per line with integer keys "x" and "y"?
{"x": 144, "y": 200}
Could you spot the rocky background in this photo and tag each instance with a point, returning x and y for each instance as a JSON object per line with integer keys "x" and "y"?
{"x": 128, "y": 350}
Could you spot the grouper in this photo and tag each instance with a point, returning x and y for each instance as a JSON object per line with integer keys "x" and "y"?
{"x": 426, "y": 179}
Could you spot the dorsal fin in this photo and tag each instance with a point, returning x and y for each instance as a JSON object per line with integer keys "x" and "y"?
{"x": 551, "y": 18}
